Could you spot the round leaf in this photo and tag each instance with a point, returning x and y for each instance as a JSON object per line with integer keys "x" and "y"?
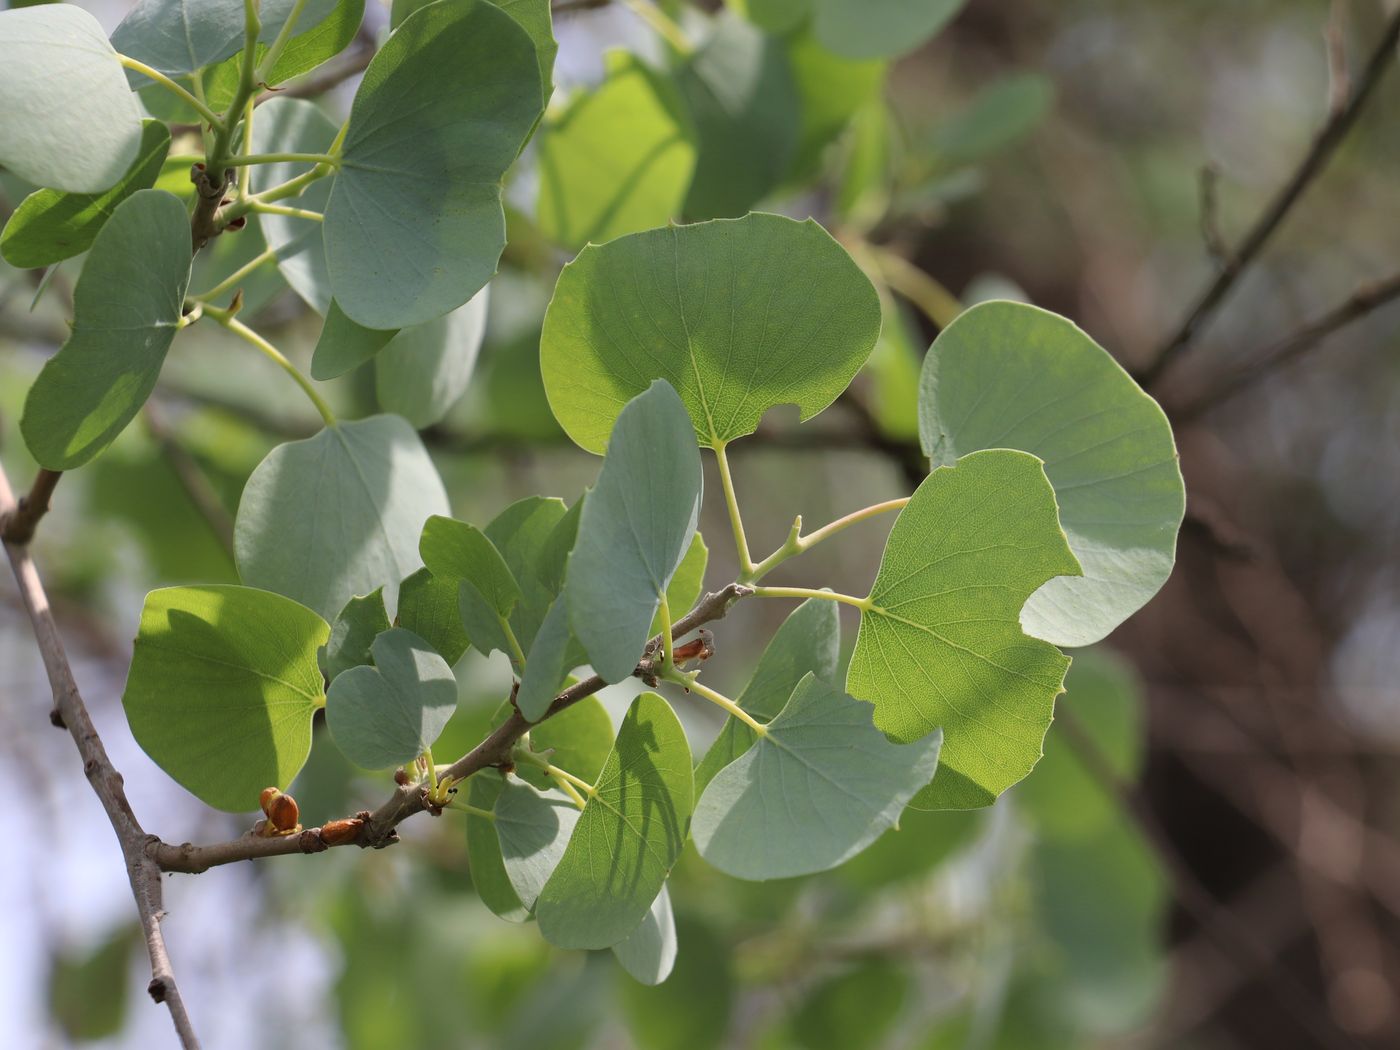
{"x": 336, "y": 515}
{"x": 181, "y": 36}
{"x": 821, "y": 785}
{"x": 126, "y": 309}
{"x": 533, "y": 828}
{"x": 71, "y": 121}
{"x": 424, "y": 370}
{"x": 391, "y": 713}
{"x": 488, "y": 869}
{"x": 1008, "y": 375}
{"x": 222, "y": 687}
{"x": 738, "y": 315}
{"x": 649, "y": 952}
{"x": 353, "y": 633}
{"x": 414, "y": 225}
{"x": 940, "y": 640}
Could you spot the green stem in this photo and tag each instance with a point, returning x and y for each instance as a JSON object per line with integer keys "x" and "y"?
{"x": 284, "y": 158}
{"x": 283, "y": 35}
{"x": 569, "y": 790}
{"x": 667, "y": 643}
{"x": 467, "y": 807}
{"x": 796, "y": 543}
{"x": 238, "y": 328}
{"x": 290, "y": 188}
{"x": 692, "y": 682}
{"x": 170, "y": 85}
{"x": 562, "y": 777}
{"x": 661, "y": 23}
{"x": 808, "y": 592}
{"x": 282, "y": 209}
{"x": 935, "y": 301}
{"x": 245, "y": 176}
{"x": 238, "y": 275}
{"x": 731, "y": 501}
{"x": 517, "y": 653}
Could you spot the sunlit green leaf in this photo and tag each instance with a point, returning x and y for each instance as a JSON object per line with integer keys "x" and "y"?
{"x": 50, "y": 226}
{"x": 353, "y": 632}
{"x": 940, "y": 640}
{"x": 649, "y": 952}
{"x": 424, "y": 370}
{"x": 832, "y": 90}
{"x": 391, "y": 713}
{"x": 71, "y": 122}
{"x": 579, "y": 739}
{"x": 817, "y": 788}
{"x": 634, "y": 530}
{"x": 126, "y": 308}
{"x": 1007, "y": 375}
{"x": 414, "y": 224}
{"x": 738, "y": 315}
{"x": 338, "y": 514}
{"x": 428, "y": 608}
{"x": 637, "y": 819}
{"x": 222, "y": 687}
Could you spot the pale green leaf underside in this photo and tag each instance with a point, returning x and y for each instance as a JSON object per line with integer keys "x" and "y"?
{"x": 546, "y": 663}
{"x": 414, "y": 225}
{"x": 428, "y": 608}
{"x": 1008, "y": 375}
{"x": 533, "y": 828}
{"x": 819, "y": 787}
{"x": 488, "y": 869}
{"x": 50, "y": 225}
{"x": 424, "y": 370}
{"x": 809, "y": 641}
{"x": 880, "y": 28}
{"x": 738, "y": 315}
{"x": 71, "y": 123}
{"x": 649, "y": 952}
{"x": 391, "y": 713}
{"x": 636, "y": 525}
{"x": 618, "y": 160}
{"x": 222, "y": 687}
{"x": 344, "y": 345}
{"x": 181, "y": 36}
{"x": 338, "y": 514}
{"x": 126, "y": 308}
{"x": 941, "y": 643}
{"x": 353, "y": 632}
{"x": 628, "y": 836}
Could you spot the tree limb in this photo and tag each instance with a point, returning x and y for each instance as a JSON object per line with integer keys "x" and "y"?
{"x": 17, "y": 522}
{"x": 1323, "y": 146}
{"x": 71, "y": 712}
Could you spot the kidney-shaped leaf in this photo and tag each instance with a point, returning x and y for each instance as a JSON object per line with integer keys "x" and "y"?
{"x": 181, "y": 36}
{"x": 50, "y": 226}
{"x": 391, "y": 713}
{"x": 71, "y": 123}
{"x": 338, "y": 514}
{"x": 628, "y": 837}
{"x": 635, "y": 528}
{"x": 1008, "y": 375}
{"x": 222, "y": 687}
{"x": 353, "y": 633}
{"x": 808, "y": 642}
{"x": 739, "y": 315}
{"x": 649, "y": 952}
{"x": 414, "y": 225}
{"x": 533, "y": 828}
{"x": 940, "y": 640}
{"x": 126, "y": 309}
{"x": 819, "y": 786}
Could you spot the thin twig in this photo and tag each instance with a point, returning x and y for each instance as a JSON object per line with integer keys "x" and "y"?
{"x": 1214, "y": 240}
{"x": 71, "y": 712}
{"x": 1293, "y": 346}
{"x": 1312, "y": 163}
{"x": 17, "y": 525}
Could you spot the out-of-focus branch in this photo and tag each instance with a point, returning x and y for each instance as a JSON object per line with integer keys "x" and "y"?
{"x": 1319, "y": 153}
{"x": 17, "y": 524}
{"x": 190, "y": 476}
{"x": 71, "y": 712}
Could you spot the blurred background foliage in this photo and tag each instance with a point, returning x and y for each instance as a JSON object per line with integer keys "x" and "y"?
{"x": 1206, "y": 857}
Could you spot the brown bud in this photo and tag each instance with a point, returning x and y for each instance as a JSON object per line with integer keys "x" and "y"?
{"x": 281, "y": 809}
{"x": 265, "y": 799}
{"x": 341, "y": 832}
{"x": 401, "y": 777}
{"x": 237, "y": 224}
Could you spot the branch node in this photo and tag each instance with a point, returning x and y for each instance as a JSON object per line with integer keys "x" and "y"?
{"x": 156, "y": 989}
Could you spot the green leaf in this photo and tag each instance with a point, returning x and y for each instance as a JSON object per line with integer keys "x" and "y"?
{"x": 488, "y": 868}
{"x": 50, "y": 225}
{"x": 597, "y": 184}
{"x": 533, "y": 828}
{"x": 72, "y": 124}
{"x": 880, "y": 28}
{"x": 832, "y": 91}
{"x": 547, "y": 663}
{"x": 294, "y": 125}
{"x": 181, "y": 36}
{"x": 579, "y": 739}
{"x": 821, "y": 785}
{"x": 1064, "y": 798}
{"x": 738, "y": 315}
{"x": 344, "y": 345}
{"x": 808, "y": 642}
{"x": 459, "y": 551}
{"x": 424, "y": 370}
{"x": 940, "y": 641}
{"x": 996, "y": 117}
{"x": 87, "y": 989}
{"x": 686, "y": 585}
{"x": 634, "y": 530}
{"x": 649, "y": 952}
{"x": 126, "y": 309}
{"x": 1007, "y": 375}
{"x": 361, "y": 621}
{"x": 428, "y": 608}
{"x": 222, "y": 687}
{"x": 636, "y": 818}
{"x": 323, "y": 40}
{"x": 553, "y": 560}
{"x": 741, "y": 95}
{"x": 535, "y": 17}
{"x": 773, "y": 16}
{"x": 854, "y": 1010}
{"x": 391, "y": 713}
{"x": 414, "y": 225}
{"x": 336, "y": 515}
